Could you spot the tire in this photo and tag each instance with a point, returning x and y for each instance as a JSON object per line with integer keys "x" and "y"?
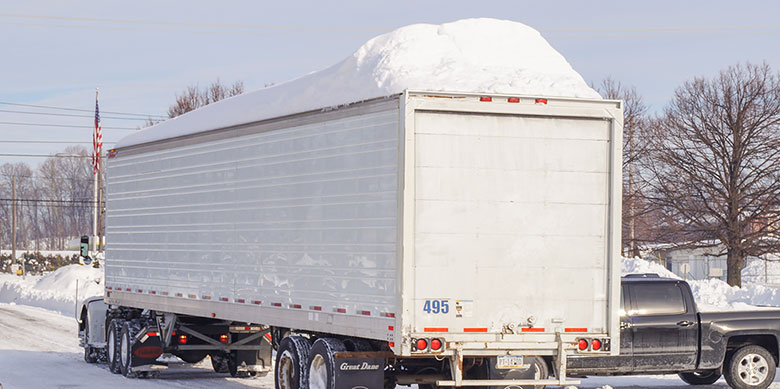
{"x": 192, "y": 356}
{"x": 358, "y": 345}
{"x": 750, "y": 367}
{"x": 541, "y": 371}
{"x": 322, "y": 363}
{"x": 125, "y": 359}
{"x": 290, "y": 370}
{"x": 220, "y": 363}
{"x": 112, "y": 345}
{"x": 708, "y": 377}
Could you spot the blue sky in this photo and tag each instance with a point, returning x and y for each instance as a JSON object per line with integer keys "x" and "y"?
{"x": 141, "y": 53}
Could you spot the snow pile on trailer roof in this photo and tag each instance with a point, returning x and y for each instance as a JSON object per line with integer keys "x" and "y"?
{"x": 472, "y": 55}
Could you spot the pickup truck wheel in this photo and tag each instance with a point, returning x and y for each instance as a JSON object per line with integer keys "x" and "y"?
{"x": 291, "y": 370}
{"x": 700, "y": 378}
{"x": 112, "y": 340}
{"x": 751, "y": 367}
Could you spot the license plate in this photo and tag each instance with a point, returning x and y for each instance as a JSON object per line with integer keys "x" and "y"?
{"x": 509, "y": 362}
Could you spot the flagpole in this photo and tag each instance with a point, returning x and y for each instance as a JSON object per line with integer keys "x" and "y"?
{"x": 95, "y": 190}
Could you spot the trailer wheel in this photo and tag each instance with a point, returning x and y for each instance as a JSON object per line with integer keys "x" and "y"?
{"x": 125, "y": 359}
{"x": 322, "y": 363}
{"x": 750, "y": 367}
{"x": 112, "y": 343}
{"x": 700, "y": 378}
{"x": 290, "y": 371}
{"x": 220, "y": 362}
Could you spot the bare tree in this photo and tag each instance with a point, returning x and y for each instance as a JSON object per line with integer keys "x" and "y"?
{"x": 715, "y": 166}
{"x": 194, "y": 97}
{"x": 634, "y": 147}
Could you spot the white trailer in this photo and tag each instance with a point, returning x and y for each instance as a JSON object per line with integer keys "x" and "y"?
{"x": 406, "y": 230}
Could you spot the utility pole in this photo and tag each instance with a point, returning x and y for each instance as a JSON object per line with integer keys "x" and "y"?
{"x": 13, "y": 219}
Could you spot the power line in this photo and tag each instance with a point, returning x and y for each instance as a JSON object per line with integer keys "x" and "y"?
{"x": 51, "y": 201}
{"x": 41, "y": 156}
{"x": 68, "y": 115}
{"x": 49, "y": 178}
{"x": 51, "y": 141}
{"x": 188, "y": 24}
{"x": 80, "y": 110}
{"x": 67, "y": 126}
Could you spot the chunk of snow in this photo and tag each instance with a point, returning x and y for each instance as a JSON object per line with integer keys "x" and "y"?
{"x": 471, "y": 55}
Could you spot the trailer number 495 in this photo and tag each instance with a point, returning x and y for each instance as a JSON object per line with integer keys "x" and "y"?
{"x": 436, "y": 306}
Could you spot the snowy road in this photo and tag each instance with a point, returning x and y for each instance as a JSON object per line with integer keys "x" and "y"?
{"x": 39, "y": 349}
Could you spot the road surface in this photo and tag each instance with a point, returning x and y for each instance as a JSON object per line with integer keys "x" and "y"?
{"x": 39, "y": 349}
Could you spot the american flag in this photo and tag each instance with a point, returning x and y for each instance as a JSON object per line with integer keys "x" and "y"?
{"x": 97, "y": 139}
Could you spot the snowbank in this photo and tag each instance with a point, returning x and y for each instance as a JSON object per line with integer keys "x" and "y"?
{"x": 55, "y": 291}
{"x": 472, "y": 55}
{"x": 713, "y": 294}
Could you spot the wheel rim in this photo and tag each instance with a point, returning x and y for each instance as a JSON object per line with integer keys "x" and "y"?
{"x": 111, "y": 346}
{"x": 753, "y": 369}
{"x": 286, "y": 368}
{"x": 123, "y": 348}
{"x": 318, "y": 373}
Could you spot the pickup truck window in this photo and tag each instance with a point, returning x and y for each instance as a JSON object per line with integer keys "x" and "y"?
{"x": 657, "y": 299}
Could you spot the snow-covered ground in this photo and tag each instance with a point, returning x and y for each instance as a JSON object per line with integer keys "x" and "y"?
{"x": 52, "y": 357}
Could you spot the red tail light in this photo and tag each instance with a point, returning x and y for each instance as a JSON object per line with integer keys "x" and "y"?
{"x": 223, "y": 338}
{"x": 595, "y": 344}
{"x": 182, "y": 339}
{"x": 582, "y": 344}
{"x": 421, "y": 344}
{"x": 150, "y": 334}
{"x": 435, "y": 344}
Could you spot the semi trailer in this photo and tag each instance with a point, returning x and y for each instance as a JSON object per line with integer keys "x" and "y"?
{"x": 431, "y": 238}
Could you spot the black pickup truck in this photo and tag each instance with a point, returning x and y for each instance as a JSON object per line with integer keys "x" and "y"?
{"x": 662, "y": 332}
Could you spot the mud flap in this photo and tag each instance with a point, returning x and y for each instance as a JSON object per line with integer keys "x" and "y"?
{"x": 360, "y": 370}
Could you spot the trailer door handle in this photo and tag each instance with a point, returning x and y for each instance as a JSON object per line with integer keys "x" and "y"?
{"x": 684, "y": 323}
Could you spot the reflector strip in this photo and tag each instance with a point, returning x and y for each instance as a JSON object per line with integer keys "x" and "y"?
{"x": 365, "y": 313}
{"x": 485, "y": 98}
{"x": 139, "y": 290}
{"x": 575, "y": 330}
{"x": 340, "y": 310}
{"x": 153, "y": 292}
{"x": 295, "y": 306}
{"x": 388, "y": 314}
{"x": 541, "y": 101}
{"x": 475, "y": 330}
{"x": 513, "y": 100}
{"x": 316, "y": 308}
{"x": 276, "y": 304}
{"x": 256, "y": 302}
{"x": 437, "y": 329}
{"x": 164, "y": 293}
{"x": 223, "y": 299}
{"x": 532, "y": 329}
{"x": 179, "y": 295}
{"x": 108, "y": 287}
{"x": 127, "y": 290}
{"x": 207, "y": 297}
{"x": 240, "y": 301}
{"x": 192, "y": 296}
